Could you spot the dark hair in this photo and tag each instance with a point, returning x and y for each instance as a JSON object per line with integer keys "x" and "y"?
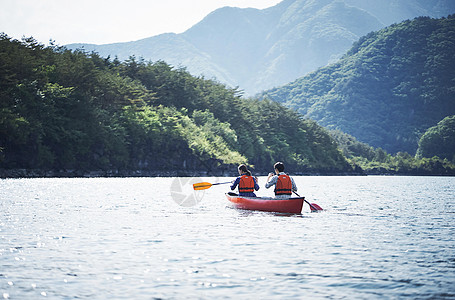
{"x": 244, "y": 169}
{"x": 279, "y": 166}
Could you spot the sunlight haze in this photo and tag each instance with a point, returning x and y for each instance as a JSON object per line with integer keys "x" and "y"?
{"x": 101, "y": 22}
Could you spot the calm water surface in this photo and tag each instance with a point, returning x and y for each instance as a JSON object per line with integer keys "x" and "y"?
{"x": 140, "y": 238}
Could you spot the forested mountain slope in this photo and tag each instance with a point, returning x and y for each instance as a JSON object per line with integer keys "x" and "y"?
{"x": 439, "y": 140}
{"x": 76, "y": 112}
{"x": 388, "y": 89}
{"x": 260, "y": 49}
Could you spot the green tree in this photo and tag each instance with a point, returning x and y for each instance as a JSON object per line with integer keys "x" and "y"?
{"x": 439, "y": 140}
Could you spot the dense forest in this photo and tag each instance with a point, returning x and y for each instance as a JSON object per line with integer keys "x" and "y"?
{"x": 439, "y": 140}
{"x": 389, "y": 88}
{"x": 74, "y": 112}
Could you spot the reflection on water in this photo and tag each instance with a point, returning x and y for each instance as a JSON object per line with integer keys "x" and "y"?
{"x": 378, "y": 237}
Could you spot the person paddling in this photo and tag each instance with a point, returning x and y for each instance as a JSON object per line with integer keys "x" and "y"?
{"x": 246, "y": 182}
{"x": 284, "y": 184}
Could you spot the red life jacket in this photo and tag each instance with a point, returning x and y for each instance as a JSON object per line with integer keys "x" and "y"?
{"x": 246, "y": 184}
{"x": 283, "y": 185}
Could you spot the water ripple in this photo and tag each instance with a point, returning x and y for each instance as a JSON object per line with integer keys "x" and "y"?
{"x": 378, "y": 237}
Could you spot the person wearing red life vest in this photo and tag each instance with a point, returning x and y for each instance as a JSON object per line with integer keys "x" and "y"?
{"x": 246, "y": 182}
{"x": 284, "y": 184}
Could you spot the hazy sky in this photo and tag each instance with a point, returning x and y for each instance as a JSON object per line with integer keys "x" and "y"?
{"x": 107, "y": 21}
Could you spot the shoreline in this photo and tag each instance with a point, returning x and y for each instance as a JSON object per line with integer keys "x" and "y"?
{"x": 38, "y": 173}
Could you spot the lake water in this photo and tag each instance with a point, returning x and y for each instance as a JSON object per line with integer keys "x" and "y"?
{"x": 149, "y": 238}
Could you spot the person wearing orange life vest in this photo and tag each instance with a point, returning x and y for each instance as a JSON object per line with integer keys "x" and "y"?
{"x": 284, "y": 184}
{"x": 246, "y": 182}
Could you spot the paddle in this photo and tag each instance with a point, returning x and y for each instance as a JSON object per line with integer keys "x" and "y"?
{"x": 206, "y": 185}
{"x": 313, "y": 206}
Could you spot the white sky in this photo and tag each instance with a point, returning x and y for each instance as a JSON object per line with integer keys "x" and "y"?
{"x": 107, "y": 21}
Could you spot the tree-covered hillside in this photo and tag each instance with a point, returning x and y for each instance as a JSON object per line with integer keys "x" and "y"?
{"x": 439, "y": 140}
{"x": 388, "y": 89}
{"x": 78, "y": 112}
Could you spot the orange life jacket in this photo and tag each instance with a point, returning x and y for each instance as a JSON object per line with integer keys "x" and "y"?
{"x": 246, "y": 184}
{"x": 283, "y": 185}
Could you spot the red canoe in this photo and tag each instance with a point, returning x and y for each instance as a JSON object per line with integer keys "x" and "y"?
{"x": 289, "y": 205}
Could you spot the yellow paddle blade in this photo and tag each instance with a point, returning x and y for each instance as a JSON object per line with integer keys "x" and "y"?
{"x": 202, "y": 186}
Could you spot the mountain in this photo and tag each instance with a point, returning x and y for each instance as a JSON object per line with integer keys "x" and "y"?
{"x": 395, "y": 11}
{"x": 389, "y": 88}
{"x": 259, "y": 49}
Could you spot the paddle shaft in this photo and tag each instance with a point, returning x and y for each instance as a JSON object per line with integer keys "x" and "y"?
{"x": 312, "y": 207}
{"x": 221, "y": 183}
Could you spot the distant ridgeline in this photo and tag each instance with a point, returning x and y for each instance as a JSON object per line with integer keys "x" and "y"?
{"x": 387, "y": 90}
{"x": 74, "y": 112}
{"x": 260, "y": 49}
